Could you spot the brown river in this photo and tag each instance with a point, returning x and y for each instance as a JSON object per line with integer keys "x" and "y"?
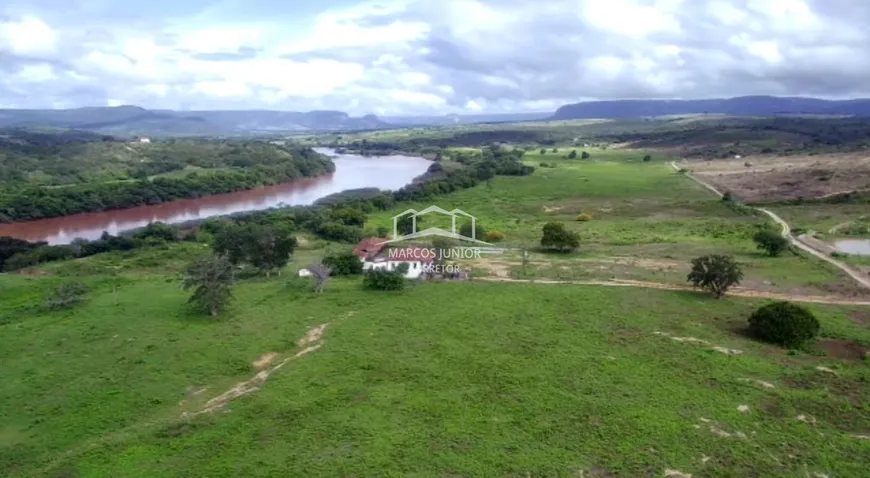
{"x": 351, "y": 172}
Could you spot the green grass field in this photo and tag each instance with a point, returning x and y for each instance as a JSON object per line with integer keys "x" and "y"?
{"x": 461, "y": 379}
{"x": 447, "y": 379}
{"x": 640, "y": 210}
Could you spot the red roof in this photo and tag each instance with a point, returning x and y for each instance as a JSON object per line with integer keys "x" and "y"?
{"x": 368, "y": 248}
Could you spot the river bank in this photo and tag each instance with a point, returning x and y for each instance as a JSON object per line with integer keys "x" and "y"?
{"x": 351, "y": 172}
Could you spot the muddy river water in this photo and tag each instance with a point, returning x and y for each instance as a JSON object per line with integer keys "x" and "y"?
{"x": 351, "y": 172}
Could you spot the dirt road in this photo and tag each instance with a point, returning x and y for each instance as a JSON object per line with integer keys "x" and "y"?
{"x": 733, "y": 292}
{"x": 786, "y": 232}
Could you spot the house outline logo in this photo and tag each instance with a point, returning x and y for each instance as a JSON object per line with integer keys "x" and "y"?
{"x": 434, "y": 231}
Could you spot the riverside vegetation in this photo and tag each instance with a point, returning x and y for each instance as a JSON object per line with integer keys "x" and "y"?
{"x": 44, "y": 175}
{"x": 467, "y": 378}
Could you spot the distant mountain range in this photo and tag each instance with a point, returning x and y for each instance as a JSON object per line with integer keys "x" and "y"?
{"x": 740, "y": 106}
{"x": 445, "y": 120}
{"x": 137, "y": 121}
{"x": 133, "y": 120}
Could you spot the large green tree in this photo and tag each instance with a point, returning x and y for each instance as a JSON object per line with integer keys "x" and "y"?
{"x": 211, "y": 278}
{"x": 716, "y": 273}
{"x": 269, "y": 248}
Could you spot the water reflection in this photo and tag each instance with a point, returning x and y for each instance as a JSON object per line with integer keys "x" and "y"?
{"x": 860, "y": 247}
{"x": 352, "y": 172}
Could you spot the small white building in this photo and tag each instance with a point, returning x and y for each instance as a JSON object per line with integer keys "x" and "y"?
{"x": 416, "y": 258}
{"x": 144, "y": 140}
{"x": 374, "y": 256}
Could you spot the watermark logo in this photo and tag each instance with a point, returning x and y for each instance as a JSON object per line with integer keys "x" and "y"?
{"x": 433, "y": 260}
{"x": 434, "y": 231}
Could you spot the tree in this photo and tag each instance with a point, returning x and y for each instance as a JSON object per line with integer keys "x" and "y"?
{"x": 158, "y": 232}
{"x": 406, "y": 225}
{"x": 555, "y": 150}
{"x": 647, "y": 158}
{"x": 584, "y": 155}
{"x": 321, "y": 275}
{"x": 784, "y": 323}
{"x": 382, "y": 231}
{"x": 572, "y": 154}
{"x": 269, "y": 248}
{"x": 728, "y": 197}
{"x": 343, "y": 264}
{"x": 230, "y": 242}
{"x": 555, "y": 236}
{"x": 771, "y": 241}
{"x": 543, "y": 151}
{"x": 716, "y": 273}
{"x": 479, "y": 230}
{"x": 349, "y": 216}
{"x": 211, "y": 277}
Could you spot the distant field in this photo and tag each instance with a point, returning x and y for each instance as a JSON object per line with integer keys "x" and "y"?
{"x": 776, "y": 178}
{"x": 642, "y": 211}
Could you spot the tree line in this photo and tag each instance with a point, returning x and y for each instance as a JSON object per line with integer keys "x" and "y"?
{"x": 25, "y": 203}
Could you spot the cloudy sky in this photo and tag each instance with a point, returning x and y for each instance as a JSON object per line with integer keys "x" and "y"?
{"x": 424, "y": 56}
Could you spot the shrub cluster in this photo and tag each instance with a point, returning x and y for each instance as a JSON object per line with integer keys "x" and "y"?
{"x": 784, "y": 323}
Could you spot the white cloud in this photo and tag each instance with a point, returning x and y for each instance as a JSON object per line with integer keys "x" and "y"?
{"x": 27, "y": 36}
{"x": 421, "y": 56}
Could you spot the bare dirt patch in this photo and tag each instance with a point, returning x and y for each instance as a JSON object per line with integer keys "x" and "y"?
{"x": 787, "y": 177}
{"x": 760, "y": 383}
{"x": 552, "y": 209}
{"x": 256, "y": 382}
{"x": 313, "y": 335}
{"x": 844, "y": 349}
{"x": 677, "y": 474}
{"x": 695, "y": 340}
{"x": 264, "y": 361}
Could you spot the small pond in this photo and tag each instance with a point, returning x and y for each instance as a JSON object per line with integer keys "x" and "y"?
{"x": 859, "y": 247}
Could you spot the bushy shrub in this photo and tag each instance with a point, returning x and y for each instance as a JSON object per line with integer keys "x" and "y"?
{"x": 771, "y": 241}
{"x": 479, "y": 230}
{"x": 584, "y": 155}
{"x": 784, "y": 323}
{"x": 66, "y": 296}
{"x": 339, "y": 232}
{"x": 556, "y": 237}
{"x": 495, "y": 236}
{"x": 343, "y": 264}
{"x": 647, "y": 158}
{"x": 379, "y": 279}
{"x": 584, "y": 217}
{"x": 158, "y": 231}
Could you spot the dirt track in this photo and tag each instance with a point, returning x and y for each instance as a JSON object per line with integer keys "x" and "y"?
{"x": 786, "y": 232}
{"x": 735, "y": 292}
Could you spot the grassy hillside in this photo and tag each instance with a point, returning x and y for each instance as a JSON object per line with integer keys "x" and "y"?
{"x": 463, "y": 379}
{"x": 472, "y": 378}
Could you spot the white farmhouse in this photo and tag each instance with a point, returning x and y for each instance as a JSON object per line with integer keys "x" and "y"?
{"x": 374, "y": 256}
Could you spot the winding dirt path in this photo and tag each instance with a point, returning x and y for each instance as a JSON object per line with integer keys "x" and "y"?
{"x": 733, "y": 292}
{"x": 786, "y": 232}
